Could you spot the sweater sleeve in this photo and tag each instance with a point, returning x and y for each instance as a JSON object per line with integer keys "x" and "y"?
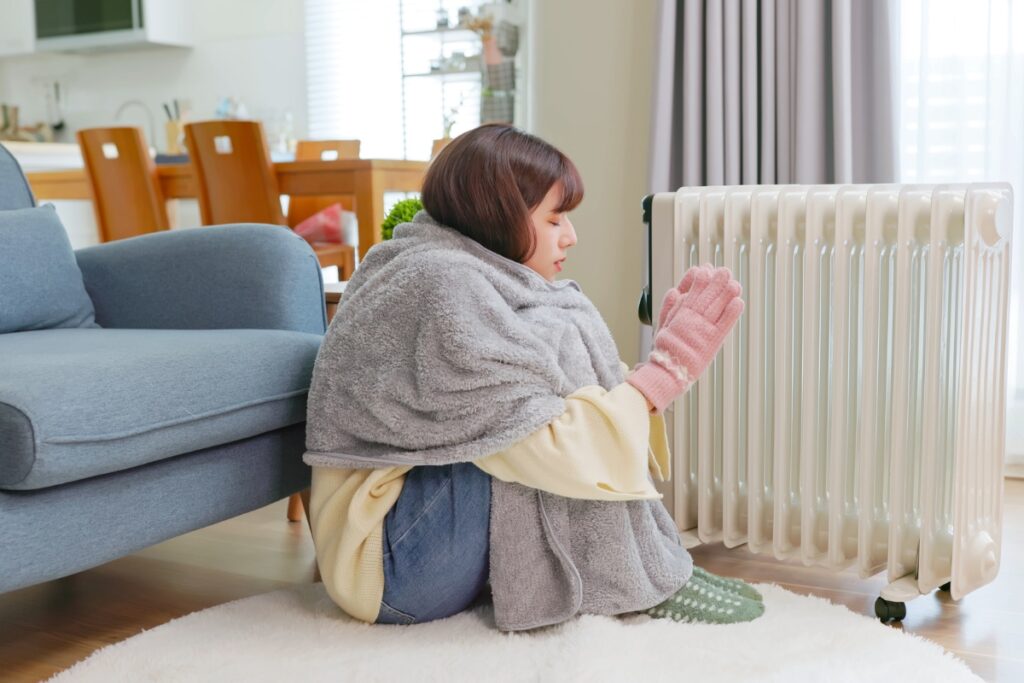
{"x": 605, "y": 446}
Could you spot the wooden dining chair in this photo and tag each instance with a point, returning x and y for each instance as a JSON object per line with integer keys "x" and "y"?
{"x": 301, "y": 208}
{"x": 326, "y": 150}
{"x": 126, "y": 194}
{"x": 236, "y": 182}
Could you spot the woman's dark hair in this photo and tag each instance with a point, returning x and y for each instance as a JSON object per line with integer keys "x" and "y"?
{"x": 486, "y": 182}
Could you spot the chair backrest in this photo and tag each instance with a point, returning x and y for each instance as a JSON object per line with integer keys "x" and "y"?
{"x": 126, "y": 193}
{"x": 326, "y": 150}
{"x": 234, "y": 175}
{"x": 14, "y": 189}
{"x": 301, "y": 208}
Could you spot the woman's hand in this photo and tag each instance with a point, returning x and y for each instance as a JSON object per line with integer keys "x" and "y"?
{"x": 695, "y": 318}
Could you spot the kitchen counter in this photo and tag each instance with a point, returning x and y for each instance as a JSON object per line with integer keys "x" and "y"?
{"x": 45, "y": 156}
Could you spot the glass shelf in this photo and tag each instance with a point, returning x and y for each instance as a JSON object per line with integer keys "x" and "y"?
{"x": 463, "y": 33}
{"x": 445, "y": 95}
{"x": 468, "y": 74}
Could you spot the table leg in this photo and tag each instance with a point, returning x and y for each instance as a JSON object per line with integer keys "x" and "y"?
{"x": 370, "y": 210}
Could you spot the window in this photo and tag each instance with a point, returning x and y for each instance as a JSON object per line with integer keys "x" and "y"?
{"x": 962, "y": 119}
{"x": 354, "y": 74}
{"x": 382, "y": 72}
{"x": 959, "y": 99}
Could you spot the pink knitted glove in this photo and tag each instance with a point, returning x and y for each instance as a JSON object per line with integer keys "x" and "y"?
{"x": 695, "y": 318}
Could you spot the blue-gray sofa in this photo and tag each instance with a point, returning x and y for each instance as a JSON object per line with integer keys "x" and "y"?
{"x": 148, "y": 387}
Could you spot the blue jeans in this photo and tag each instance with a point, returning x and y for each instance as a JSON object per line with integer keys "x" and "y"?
{"x": 436, "y": 544}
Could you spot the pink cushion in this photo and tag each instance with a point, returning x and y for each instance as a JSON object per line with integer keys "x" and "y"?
{"x": 323, "y": 226}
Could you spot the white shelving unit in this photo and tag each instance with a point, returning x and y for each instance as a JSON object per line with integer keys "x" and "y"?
{"x": 443, "y": 76}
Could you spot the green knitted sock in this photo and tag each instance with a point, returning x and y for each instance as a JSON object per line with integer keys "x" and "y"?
{"x": 732, "y": 585}
{"x": 701, "y": 602}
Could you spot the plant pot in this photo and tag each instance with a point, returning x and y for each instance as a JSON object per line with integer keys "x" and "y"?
{"x": 438, "y": 145}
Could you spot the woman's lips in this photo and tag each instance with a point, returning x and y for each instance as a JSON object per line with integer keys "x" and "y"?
{"x": 558, "y": 265}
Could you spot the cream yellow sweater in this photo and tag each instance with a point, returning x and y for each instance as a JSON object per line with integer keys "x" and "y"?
{"x": 601, "y": 448}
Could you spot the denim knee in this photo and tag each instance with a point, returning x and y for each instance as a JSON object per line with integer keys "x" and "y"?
{"x": 436, "y": 543}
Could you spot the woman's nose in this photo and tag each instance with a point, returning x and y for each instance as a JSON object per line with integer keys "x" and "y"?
{"x": 569, "y": 235}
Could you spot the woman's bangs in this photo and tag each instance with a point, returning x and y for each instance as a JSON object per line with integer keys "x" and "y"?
{"x": 572, "y": 187}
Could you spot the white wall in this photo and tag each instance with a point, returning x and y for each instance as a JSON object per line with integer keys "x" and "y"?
{"x": 251, "y": 49}
{"x": 590, "y": 80}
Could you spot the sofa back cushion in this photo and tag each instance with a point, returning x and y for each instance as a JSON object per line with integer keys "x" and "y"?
{"x": 41, "y": 286}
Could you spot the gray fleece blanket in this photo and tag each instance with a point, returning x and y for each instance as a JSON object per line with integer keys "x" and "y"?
{"x": 443, "y": 351}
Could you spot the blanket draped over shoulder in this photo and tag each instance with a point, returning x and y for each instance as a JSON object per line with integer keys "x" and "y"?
{"x": 443, "y": 351}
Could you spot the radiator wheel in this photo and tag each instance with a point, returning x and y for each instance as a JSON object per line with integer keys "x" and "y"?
{"x": 945, "y": 587}
{"x": 890, "y": 611}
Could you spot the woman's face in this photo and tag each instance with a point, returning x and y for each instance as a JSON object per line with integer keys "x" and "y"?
{"x": 553, "y": 233}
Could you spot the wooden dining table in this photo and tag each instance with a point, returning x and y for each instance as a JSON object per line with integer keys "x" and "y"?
{"x": 365, "y": 179}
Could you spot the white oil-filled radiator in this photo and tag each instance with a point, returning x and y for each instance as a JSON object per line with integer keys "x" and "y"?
{"x": 855, "y": 415}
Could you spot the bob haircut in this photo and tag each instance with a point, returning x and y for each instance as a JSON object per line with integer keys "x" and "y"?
{"x": 486, "y": 182}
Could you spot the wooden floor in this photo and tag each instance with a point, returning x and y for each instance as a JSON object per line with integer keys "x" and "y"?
{"x": 46, "y": 628}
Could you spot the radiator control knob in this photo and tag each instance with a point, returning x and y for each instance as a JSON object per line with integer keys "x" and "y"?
{"x": 994, "y": 208}
{"x": 983, "y": 547}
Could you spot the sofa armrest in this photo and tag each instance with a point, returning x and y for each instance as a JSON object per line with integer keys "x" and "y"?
{"x": 222, "y": 277}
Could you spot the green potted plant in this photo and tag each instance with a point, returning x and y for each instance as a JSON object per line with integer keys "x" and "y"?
{"x": 402, "y": 212}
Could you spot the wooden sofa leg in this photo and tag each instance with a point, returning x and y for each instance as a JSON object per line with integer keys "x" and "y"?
{"x": 304, "y": 496}
{"x": 295, "y": 508}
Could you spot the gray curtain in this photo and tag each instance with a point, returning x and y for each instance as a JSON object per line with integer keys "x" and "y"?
{"x": 773, "y": 91}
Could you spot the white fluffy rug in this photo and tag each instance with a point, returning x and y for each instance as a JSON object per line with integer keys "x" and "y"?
{"x": 298, "y": 634}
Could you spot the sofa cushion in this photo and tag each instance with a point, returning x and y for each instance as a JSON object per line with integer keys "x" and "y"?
{"x": 40, "y": 283}
{"x": 76, "y": 403}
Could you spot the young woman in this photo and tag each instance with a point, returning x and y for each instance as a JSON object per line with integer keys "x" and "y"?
{"x": 470, "y": 422}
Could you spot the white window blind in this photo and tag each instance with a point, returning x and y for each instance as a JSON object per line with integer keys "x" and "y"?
{"x": 354, "y": 74}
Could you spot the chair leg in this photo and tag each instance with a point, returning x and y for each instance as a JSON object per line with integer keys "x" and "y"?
{"x": 295, "y": 507}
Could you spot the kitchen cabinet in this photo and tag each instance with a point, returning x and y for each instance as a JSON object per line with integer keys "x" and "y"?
{"x": 65, "y": 26}
{"x": 18, "y": 28}
{"x": 111, "y": 25}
